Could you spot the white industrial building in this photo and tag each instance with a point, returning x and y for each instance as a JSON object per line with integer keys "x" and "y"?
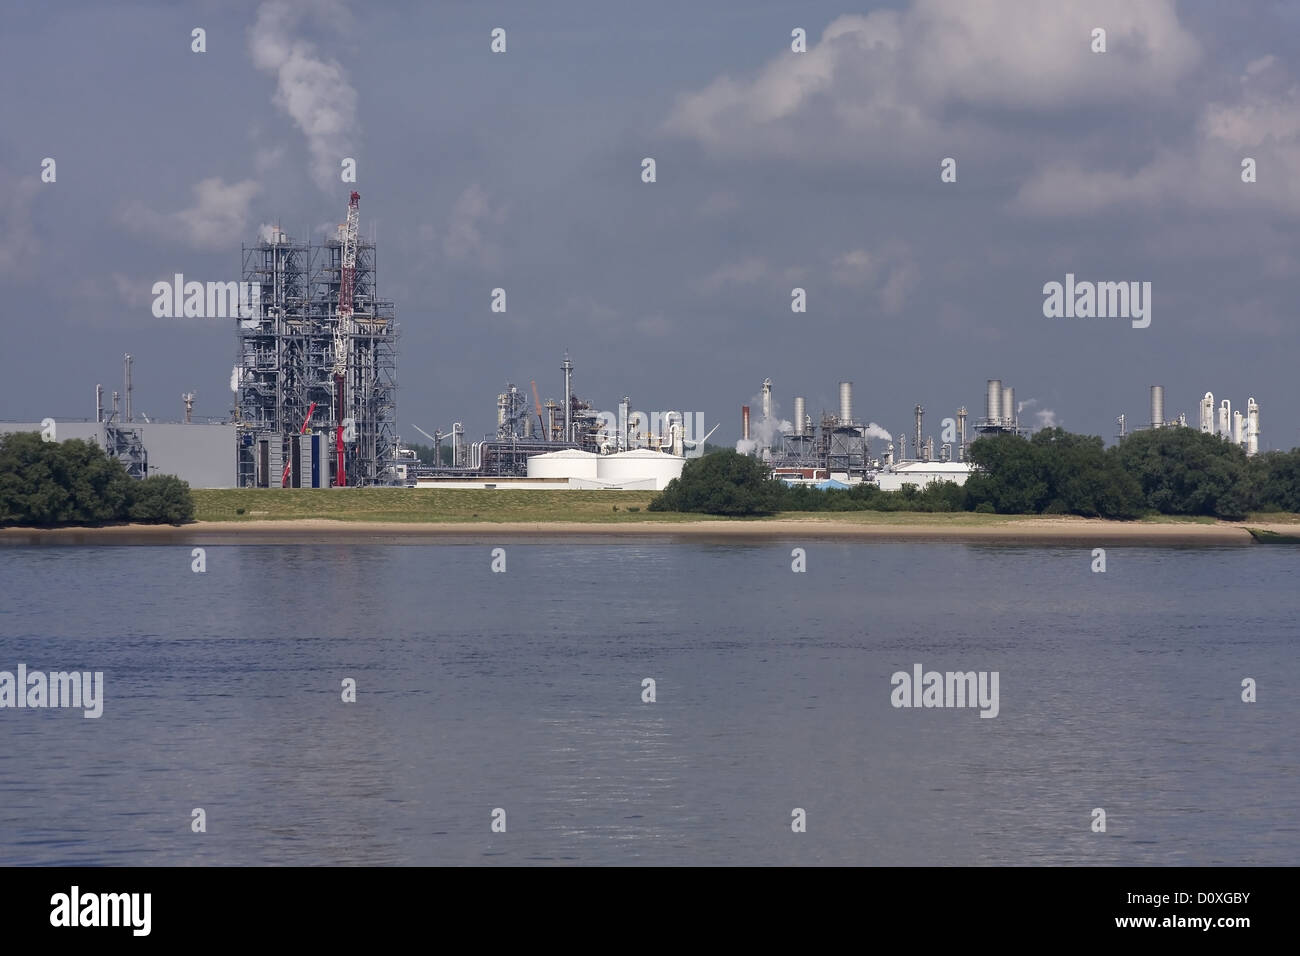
{"x": 921, "y": 473}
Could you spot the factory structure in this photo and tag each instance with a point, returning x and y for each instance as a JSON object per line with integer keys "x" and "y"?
{"x": 315, "y": 406}
{"x": 836, "y": 451}
{"x": 1242, "y": 429}
{"x": 316, "y": 374}
{"x": 561, "y": 444}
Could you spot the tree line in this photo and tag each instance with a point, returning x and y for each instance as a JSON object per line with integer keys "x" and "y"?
{"x": 1172, "y": 471}
{"x": 75, "y": 482}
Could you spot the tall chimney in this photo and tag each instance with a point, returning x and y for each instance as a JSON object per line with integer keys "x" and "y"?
{"x": 799, "y": 412}
{"x": 127, "y": 363}
{"x": 567, "y": 368}
{"x": 846, "y": 402}
{"x": 744, "y": 422}
{"x": 920, "y": 415}
{"x": 1157, "y": 406}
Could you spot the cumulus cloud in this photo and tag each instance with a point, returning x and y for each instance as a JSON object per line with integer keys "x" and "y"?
{"x": 471, "y": 235}
{"x": 745, "y": 272}
{"x": 1261, "y": 121}
{"x": 312, "y": 90}
{"x": 889, "y": 272}
{"x": 216, "y": 220}
{"x": 901, "y": 75}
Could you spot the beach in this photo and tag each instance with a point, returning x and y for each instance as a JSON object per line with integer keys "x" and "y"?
{"x": 1039, "y": 530}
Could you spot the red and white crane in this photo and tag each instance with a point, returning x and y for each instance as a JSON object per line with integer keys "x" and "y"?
{"x": 347, "y": 285}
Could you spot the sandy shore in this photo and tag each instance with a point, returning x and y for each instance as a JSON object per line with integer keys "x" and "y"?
{"x": 1021, "y": 530}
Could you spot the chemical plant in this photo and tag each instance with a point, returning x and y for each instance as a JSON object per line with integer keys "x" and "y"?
{"x": 315, "y": 406}
{"x": 316, "y": 383}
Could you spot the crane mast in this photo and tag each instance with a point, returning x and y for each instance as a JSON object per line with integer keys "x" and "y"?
{"x": 347, "y": 284}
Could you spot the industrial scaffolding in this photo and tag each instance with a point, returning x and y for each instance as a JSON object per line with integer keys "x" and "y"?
{"x": 287, "y": 400}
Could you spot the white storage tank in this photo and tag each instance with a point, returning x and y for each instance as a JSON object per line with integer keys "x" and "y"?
{"x": 638, "y": 464}
{"x": 566, "y": 463}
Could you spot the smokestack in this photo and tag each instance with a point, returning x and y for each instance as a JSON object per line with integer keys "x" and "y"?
{"x": 799, "y": 412}
{"x": 1157, "y": 406}
{"x": 920, "y": 414}
{"x": 767, "y": 399}
{"x": 993, "y": 402}
{"x": 846, "y": 402}
{"x": 961, "y": 433}
{"x": 127, "y": 363}
{"x": 99, "y": 403}
{"x": 1009, "y": 407}
{"x": 567, "y": 368}
{"x": 744, "y": 422}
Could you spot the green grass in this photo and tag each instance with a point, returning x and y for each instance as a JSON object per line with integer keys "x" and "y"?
{"x": 507, "y": 505}
{"x": 424, "y": 505}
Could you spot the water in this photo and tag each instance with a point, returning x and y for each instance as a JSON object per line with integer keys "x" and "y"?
{"x": 522, "y": 691}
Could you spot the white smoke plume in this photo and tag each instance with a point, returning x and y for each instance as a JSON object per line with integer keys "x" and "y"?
{"x": 1046, "y": 417}
{"x": 875, "y": 431}
{"x": 763, "y": 432}
{"x": 313, "y": 91}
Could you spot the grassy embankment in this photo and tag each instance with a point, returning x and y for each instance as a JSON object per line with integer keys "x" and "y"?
{"x": 416, "y": 505}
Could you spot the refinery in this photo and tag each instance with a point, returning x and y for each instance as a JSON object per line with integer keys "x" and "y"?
{"x": 315, "y": 406}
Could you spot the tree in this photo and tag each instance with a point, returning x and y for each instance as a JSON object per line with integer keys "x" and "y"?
{"x": 722, "y": 483}
{"x": 76, "y": 482}
{"x": 49, "y": 483}
{"x": 1183, "y": 471}
{"x": 161, "y": 499}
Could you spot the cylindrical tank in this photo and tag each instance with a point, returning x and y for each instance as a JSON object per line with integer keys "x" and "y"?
{"x": 1157, "y": 406}
{"x": 566, "y": 463}
{"x": 799, "y": 412}
{"x": 1008, "y": 406}
{"x": 1207, "y": 413}
{"x": 1238, "y": 428}
{"x": 1252, "y": 427}
{"x": 637, "y": 466}
{"x": 1225, "y": 419}
{"x": 993, "y": 402}
{"x": 846, "y": 402}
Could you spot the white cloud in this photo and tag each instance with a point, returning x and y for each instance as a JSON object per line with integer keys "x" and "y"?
{"x": 897, "y": 76}
{"x": 1262, "y": 122}
{"x": 889, "y": 272}
{"x": 746, "y": 272}
{"x": 312, "y": 90}
{"x": 471, "y": 236}
{"x": 216, "y": 220}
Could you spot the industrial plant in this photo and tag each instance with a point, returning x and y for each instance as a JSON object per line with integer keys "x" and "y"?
{"x": 315, "y": 406}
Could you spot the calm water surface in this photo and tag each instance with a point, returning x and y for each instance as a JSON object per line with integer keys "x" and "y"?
{"x": 523, "y": 690}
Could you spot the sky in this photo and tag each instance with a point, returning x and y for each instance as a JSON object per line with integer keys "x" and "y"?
{"x": 774, "y": 170}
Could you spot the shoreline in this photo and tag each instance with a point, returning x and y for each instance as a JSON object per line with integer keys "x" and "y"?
{"x": 1046, "y": 531}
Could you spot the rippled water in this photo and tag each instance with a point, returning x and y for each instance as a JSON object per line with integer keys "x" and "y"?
{"x": 522, "y": 691}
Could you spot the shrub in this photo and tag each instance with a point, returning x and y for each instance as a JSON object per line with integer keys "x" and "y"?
{"x": 161, "y": 499}
{"x": 723, "y": 483}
